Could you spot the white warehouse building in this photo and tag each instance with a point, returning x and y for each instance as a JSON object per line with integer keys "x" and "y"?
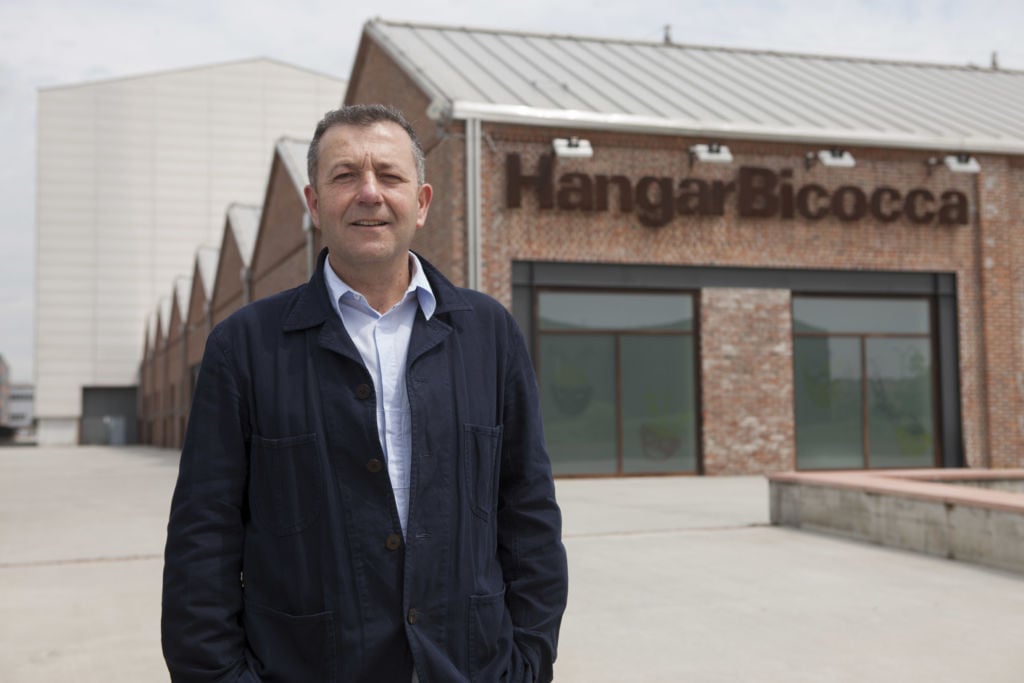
{"x": 133, "y": 175}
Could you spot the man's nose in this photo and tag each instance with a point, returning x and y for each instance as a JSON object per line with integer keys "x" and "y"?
{"x": 369, "y": 191}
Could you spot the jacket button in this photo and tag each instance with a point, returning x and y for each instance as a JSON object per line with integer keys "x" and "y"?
{"x": 394, "y": 542}
{"x": 364, "y": 391}
{"x": 374, "y": 465}
{"x": 413, "y": 615}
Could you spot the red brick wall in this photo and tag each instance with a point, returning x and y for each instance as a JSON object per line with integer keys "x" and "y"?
{"x": 227, "y": 288}
{"x": 162, "y": 390}
{"x": 197, "y": 323}
{"x": 998, "y": 270}
{"x": 991, "y": 376}
{"x": 376, "y": 79}
{"x": 746, "y": 347}
{"x": 1015, "y": 187}
{"x": 279, "y": 259}
{"x": 173, "y": 388}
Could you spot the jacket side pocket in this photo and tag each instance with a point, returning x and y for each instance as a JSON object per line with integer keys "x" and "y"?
{"x": 289, "y": 647}
{"x": 490, "y": 637}
{"x": 481, "y": 449}
{"x": 286, "y": 483}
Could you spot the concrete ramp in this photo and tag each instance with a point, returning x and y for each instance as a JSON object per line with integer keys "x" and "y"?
{"x": 971, "y": 515}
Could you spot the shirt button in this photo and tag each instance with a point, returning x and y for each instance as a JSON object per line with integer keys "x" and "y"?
{"x": 363, "y": 391}
{"x": 413, "y": 615}
{"x": 394, "y": 542}
{"x": 374, "y": 465}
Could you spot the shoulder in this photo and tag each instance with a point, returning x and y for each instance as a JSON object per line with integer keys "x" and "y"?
{"x": 460, "y": 300}
{"x": 259, "y": 318}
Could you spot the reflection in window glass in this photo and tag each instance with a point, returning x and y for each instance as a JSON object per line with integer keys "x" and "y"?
{"x": 827, "y": 388}
{"x": 599, "y": 311}
{"x": 901, "y": 431}
{"x": 577, "y": 387}
{"x": 616, "y": 372}
{"x": 863, "y": 383}
{"x": 860, "y": 316}
{"x": 658, "y": 408}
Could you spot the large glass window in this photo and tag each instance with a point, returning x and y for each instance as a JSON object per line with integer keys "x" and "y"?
{"x": 864, "y": 383}
{"x": 617, "y": 382}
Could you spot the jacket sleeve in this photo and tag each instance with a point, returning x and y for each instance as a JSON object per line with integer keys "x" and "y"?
{"x": 529, "y": 525}
{"x": 201, "y": 629}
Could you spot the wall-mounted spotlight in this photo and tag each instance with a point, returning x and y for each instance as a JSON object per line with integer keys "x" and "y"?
{"x": 712, "y": 152}
{"x": 835, "y": 157}
{"x": 957, "y": 163}
{"x": 572, "y": 148}
{"x": 962, "y": 163}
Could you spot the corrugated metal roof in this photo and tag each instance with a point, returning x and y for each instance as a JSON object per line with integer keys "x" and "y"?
{"x": 164, "y": 317}
{"x": 245, "y": 223}
{"x": 182, "y": 288}
{"x": 717, "y": 92}
{"x": 293, "y": 154}
{"x": 151, "y": 329}
{"x": 208, "y": 258}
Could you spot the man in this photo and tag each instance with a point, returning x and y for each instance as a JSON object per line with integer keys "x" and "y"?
{"x": 364, "y": 491}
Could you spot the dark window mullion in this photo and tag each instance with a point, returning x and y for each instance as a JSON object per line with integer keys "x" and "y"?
{"x": 864, "y": 400}
{"x": 618, "y": 404}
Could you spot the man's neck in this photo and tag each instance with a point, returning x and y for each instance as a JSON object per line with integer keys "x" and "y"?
{"x": 382, "y": 287}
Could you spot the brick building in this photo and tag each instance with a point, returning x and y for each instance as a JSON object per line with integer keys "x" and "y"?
{"x": 724, "y": 261}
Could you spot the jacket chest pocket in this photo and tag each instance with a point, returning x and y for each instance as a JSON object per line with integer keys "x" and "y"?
{"x": 481, "y": 449}
{"x": 286, "y": 483}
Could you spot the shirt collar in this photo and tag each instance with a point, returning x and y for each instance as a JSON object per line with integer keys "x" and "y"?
{"x": 417, "y": 283}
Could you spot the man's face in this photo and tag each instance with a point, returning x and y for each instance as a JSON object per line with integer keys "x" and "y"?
{"x": 367, "y": 201}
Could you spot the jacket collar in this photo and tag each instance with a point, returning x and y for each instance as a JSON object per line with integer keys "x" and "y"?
{"x": 312, "y": 306}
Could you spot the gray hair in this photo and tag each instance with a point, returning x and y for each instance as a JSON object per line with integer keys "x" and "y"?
{"x": 364, "y": 115}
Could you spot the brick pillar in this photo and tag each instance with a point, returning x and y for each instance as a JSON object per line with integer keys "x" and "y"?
{"x": 747, "y": 381}
{"x": 1000, "y": 318}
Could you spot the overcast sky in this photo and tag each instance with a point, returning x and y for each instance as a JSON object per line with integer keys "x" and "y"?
{"x": 58, "y": 42}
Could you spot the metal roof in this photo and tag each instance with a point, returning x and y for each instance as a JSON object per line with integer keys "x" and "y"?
{"x": 181, "y": 291}
{"x": 164, "y": 317}
{"x": 591, "y": 83}
{"x": 208, "y": 258}
{"x": 293, "y": 155}
{"x": 244, "y": 222}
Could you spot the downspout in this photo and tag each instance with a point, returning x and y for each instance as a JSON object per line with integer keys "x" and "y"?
{"x": 246, "y": 275}
{"x": 307, "y": 227}
{"x": 473, "y": 247}
{"x": 182, "y": 383}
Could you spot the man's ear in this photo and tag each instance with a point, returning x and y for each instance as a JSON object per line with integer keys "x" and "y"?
{"x": 423, "y": 201}
{"x": 313, "y": 204}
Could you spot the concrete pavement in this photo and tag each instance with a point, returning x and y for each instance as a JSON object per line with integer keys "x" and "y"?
{"x": 672, "y": 579}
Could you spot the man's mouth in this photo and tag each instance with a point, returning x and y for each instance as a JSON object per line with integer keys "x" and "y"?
{"x": 369, "y": 223}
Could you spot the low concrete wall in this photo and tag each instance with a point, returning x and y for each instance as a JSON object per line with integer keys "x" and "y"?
{"x": 922, "y": 510}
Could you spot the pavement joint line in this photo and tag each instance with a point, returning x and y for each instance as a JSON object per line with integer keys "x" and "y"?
{"x": 80, "y": 560}
{"x": 677, "y": 530}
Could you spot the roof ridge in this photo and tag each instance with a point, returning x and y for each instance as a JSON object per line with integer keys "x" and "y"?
{"x": 692, "y": 46}
{"x": 193, "y": 67}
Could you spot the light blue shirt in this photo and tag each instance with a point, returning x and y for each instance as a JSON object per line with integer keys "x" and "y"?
{"x": 383, "y": 343}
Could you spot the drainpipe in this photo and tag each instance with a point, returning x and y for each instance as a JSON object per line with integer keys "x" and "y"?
{"x": 246, "y": 275}
{"x": 180, "y": 440}
{"x": 473, "y": 247}
{"x": 307, "y": 227}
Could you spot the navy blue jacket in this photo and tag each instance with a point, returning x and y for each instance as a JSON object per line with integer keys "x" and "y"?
{"x": 285, "y": 559}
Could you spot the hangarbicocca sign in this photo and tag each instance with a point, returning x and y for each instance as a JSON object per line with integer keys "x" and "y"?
{"x": 759, "y": 192}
